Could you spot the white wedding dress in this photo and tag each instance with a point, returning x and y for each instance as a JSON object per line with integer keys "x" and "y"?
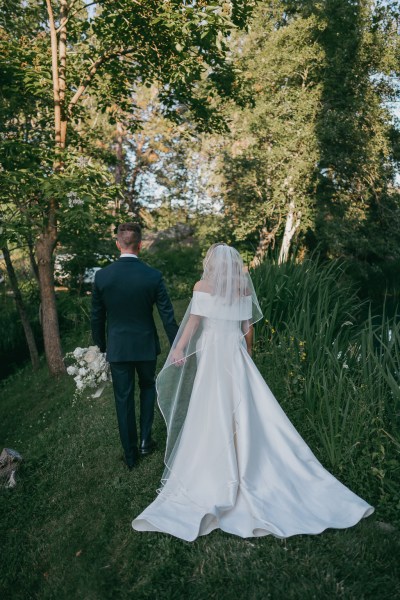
{"x": 239, "y": 464}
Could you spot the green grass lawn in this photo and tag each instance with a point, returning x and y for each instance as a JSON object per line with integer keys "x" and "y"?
{"x": 66, "y": 528}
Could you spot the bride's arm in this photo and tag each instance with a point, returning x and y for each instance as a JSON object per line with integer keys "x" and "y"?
{"x": 177, "y": 354}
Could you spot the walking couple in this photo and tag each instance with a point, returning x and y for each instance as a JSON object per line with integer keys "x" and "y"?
{"x": 233, "y": 460}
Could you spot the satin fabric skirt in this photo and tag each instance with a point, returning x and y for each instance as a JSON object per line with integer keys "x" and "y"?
{"x": 240, "y": 465}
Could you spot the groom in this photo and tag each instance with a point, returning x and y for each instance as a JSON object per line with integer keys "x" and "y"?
{"x": 124, "y": 294}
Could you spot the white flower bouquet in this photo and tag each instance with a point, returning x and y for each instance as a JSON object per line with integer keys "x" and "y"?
{"x": 89, "y": 369}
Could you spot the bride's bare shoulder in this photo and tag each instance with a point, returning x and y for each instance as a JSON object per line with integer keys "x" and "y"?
{"x": 202, "y": 286}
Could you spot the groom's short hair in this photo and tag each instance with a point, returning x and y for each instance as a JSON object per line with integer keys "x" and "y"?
{"x": 129, "y": 235}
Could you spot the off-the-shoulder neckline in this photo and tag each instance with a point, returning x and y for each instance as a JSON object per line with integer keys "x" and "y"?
{"x": 209, "y": 294}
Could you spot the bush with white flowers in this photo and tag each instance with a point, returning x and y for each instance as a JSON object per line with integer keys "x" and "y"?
{"x": 74, "y": 200}
{"x": 89, "y": 369}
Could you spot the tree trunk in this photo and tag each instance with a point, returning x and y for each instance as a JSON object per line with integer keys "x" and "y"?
{"x": 62, "y": 73}
{"x": 47, "y": 240}
{"x": 131, "y": 198}
{"x": 290, "y": 230}
{"x": 51, "y": 335}
{"x": 30, "y": 338}
{"x": 119, "y": 169}
{"x": 119, "y": 151}
{"x": 32, "y": 260}
{"x": 267, "y": 239}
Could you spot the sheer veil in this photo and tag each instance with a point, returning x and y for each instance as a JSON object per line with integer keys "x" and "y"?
{"x": 224, "y": 301}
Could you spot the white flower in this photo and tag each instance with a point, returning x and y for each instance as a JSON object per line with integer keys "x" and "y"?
{"x": 78, "y": 352}
{"x": 74, "y": 200}
{"x": 82, "y": 371}
{"x": 90, "y": 355}
{"x": 71, "y": 370}
{"x": 79, "y": 384}
{"x": 82, "y": 161}
{"x": 95, "y": 365}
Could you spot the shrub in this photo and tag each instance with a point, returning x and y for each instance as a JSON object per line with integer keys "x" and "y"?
{"x": 335, "y": 373}
{"x": 180, "y": 265}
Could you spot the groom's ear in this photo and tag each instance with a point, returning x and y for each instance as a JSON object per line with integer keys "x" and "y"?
{"x": 117, "y": 244}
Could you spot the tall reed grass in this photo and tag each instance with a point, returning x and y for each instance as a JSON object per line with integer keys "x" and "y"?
{"x": 335, "y": 372}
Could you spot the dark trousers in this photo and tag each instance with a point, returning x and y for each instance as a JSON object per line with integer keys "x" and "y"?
{"x": 123, "y": 377}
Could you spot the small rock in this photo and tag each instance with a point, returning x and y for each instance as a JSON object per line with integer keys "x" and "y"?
{"x": 9, "y": 463}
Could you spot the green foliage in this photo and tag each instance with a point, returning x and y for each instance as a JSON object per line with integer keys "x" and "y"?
{"x": 273, "y": 153}
{"x": 55, "y": 175}
{"x": 74, "y": 314}
{"x": 319, "y": 290}
{"x": 181, "y": 267}
{"x": 13, "y": 347}
{"x": 209, "y": 229}
{"x": 11, "y": 331}
{"x": 355, "y": 132}
{"x": 319, "y": 139}
{"x": 83, "y": 248}
{"x": 336, "y": 373}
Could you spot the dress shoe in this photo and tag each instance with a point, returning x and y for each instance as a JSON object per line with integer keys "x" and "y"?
{"x": 146, "y": 447}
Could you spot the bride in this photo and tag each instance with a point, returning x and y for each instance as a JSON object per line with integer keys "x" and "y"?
{"x": 233, "y": 459}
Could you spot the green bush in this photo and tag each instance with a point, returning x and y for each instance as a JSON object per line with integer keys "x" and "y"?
{"x": 73, "y": 314}
{"x": 180, "y": 265}
{"x": 336, "y": 374}
{"x": 13, "y": 347}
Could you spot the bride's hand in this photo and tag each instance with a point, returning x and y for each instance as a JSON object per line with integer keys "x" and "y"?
{"x": 177, "y": 357}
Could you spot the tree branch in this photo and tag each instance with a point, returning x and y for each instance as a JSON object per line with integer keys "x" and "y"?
{"x": 92, "y": 72}
{"x": 78, "y": 10}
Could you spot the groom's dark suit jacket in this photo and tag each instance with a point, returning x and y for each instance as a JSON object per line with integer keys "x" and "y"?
{"x": 124, "y": 294}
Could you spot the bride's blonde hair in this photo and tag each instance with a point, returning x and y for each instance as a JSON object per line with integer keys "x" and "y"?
{"x": 210, "y": 252}
{"x": 224, "y": 271}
